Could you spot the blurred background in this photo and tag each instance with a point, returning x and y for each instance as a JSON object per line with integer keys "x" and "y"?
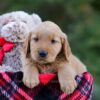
{"x": 79, "y": 19}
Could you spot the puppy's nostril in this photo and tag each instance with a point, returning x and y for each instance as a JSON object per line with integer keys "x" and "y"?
{"x": 42, "y": 53}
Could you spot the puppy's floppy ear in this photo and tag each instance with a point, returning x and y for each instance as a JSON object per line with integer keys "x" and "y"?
{"x": 26, "y": 45}
{"x": 65, "y": 46}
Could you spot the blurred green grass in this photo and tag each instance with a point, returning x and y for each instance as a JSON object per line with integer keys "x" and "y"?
{"x": 79, "y": 19}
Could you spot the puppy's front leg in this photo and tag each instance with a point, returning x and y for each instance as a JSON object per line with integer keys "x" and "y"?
{"x": 30, "y": 73}
{"x": 66, "y": 76}
{"x": 30, "y": 77}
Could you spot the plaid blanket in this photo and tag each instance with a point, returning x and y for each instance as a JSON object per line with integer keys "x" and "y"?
{"x": 12, "y": 88}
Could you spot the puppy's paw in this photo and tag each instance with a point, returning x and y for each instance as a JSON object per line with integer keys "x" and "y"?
{"x": 30, "y": 81}
{"x": 68, "y": 86}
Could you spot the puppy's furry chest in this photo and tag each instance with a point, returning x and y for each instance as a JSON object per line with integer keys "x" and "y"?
{"x": 47, "y": 69}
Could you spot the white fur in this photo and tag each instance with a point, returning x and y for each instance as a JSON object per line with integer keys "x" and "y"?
{"x": 14, "y": 27}
{"x": 17, "y": 23}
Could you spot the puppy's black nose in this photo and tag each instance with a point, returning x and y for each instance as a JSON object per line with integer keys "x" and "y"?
{"x": 42, "y": 53}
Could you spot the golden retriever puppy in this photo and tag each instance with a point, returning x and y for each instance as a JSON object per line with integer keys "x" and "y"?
{"x": 47, "y": 50}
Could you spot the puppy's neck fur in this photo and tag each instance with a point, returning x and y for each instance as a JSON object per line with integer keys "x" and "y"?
{"x": 49, "y": 67}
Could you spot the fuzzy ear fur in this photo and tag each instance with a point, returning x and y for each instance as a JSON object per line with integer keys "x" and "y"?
{"x": 66, "y": 50}
{"x": 26, "y": 45}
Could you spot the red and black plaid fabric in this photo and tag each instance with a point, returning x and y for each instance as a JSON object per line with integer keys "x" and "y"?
{"x": 12, "y": 88}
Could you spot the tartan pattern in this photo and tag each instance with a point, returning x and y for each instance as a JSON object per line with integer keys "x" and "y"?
{"x": 12, "y": 88}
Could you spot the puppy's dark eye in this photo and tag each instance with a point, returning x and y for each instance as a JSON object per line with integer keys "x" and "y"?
{"x": 36, "y": 39}
{"x": 53, "y": 41}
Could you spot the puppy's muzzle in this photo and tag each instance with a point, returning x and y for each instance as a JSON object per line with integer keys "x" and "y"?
{"x": 42, "y": 53}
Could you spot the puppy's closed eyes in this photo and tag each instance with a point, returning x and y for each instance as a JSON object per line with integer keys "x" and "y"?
{"x": 48, "y": 46}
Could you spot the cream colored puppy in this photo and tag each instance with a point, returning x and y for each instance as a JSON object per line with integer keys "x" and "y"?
{"x": 47, "y": 50}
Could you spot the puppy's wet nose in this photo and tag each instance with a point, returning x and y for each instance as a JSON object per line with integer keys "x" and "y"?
{"x": 42, "y": 53}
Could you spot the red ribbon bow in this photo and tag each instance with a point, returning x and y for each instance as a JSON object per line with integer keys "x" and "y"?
{"x": 6, "y": 47}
